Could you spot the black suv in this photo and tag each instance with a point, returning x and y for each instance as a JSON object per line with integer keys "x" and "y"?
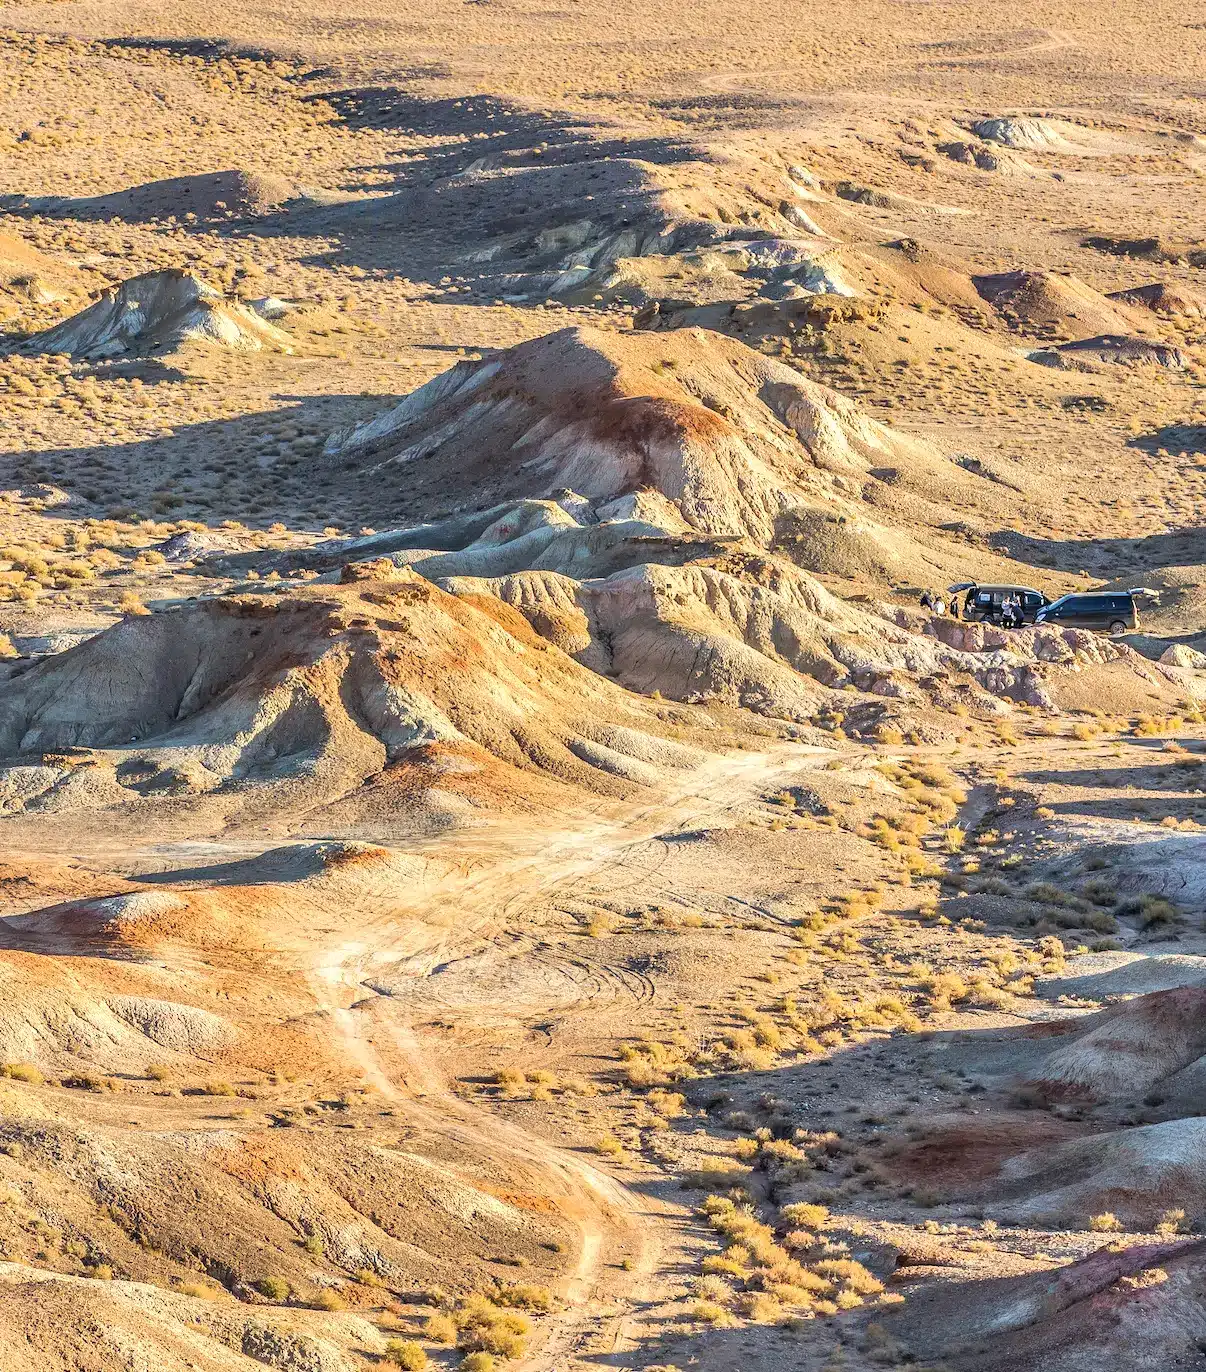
{"x": 1112, "y": 612}
{"x": 987, "y": 602}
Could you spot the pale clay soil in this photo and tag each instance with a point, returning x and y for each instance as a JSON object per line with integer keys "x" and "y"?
{"x": 506, "y": 876}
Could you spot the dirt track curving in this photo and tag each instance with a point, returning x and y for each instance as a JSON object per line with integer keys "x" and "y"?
{"x": 614, "y": 1222}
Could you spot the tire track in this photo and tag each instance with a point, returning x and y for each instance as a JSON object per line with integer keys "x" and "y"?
{"x": 481, "y": 900}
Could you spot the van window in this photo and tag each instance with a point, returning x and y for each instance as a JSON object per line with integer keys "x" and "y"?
{"x": 1120, "y": 604}
{"x": 1032, "y": 600}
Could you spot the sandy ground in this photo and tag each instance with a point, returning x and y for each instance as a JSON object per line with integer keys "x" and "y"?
{"x": 520, "y": 883}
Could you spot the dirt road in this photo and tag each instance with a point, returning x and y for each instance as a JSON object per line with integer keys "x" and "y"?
{"x": 615, "y": 1224}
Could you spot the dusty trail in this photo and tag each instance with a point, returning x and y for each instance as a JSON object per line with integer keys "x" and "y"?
{"x": 613, "y": 1221}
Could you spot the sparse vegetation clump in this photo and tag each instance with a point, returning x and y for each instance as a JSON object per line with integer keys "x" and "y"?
{"x": 22, "y": 1071}
{"x": 485, "y": 1327}
{"x": 524, "y": 1296}
{"x": 407, "y": 1354}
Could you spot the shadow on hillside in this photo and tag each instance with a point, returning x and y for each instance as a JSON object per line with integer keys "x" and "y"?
{"x": 66, "y": 935}
{"x": 1111, "y": 558}
{"x": 1149, "y": 807}
{"x": 1182, "y": 440}
{"x": 728, "y": 109}
{"x": 1165, "y": 775}
{"x": 873, "y": 1094}
{"x": 473, "y": 171}
{"x": 495, "y": 224}
{"x": 252, "y": 468}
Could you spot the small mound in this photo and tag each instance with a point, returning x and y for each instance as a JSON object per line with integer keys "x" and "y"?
{"x": 1125, "y": 1050}
{"x": 1049, "y": 1172}
{"x": 856, "y": 193}
{"x": 18, "y": 258}
{"x": 64, "y": 1019}
{"x": 56, "y": 1322}
{"x": 235, "y": 194}
{"x": 960, "y": 1154}
{"x": 158, "y": 312}
{"x": 535, "y": 221}
{"x": 1021, "y": 132}
{"x": 1056, "y": 302}
{"x": 1134, "y": 1174}
{"x": 763, "y": 635}
{"x": 1111, "y": 349}
{"x": 1182, "y": 655}
{"x": 724, "y": 271}
{"x": 29, "y": 273}
{"x": 1113, "y": 974}
{"x": 1138, "y": 1307}
{"x": 971, "y": 154}
{"x": 1147, "y": 248}
{"x": 1164, "y": 298}
{"x": 275, "y": 900}
{"x": 30, "y": 279}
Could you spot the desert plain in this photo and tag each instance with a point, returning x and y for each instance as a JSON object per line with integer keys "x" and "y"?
{"x": 498, "y": 870}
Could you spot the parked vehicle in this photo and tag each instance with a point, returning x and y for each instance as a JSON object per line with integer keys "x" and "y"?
{"x": 988, "y": 602}
{"x": 1113, "y": 612}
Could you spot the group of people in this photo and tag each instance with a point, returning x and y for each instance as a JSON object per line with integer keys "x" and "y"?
{"x": 1008, "y": 613}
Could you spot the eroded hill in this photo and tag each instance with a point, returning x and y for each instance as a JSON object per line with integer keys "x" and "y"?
{"x": 498, "y": 869}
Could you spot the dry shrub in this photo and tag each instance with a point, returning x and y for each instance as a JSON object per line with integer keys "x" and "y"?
{"x": 761, "y": 1307}
{"x": 130, "y": 604}
{"x": 714, "y": 1174}
{"x": 440, "y": 1328}
{"x": 710, "y": 1312}
{"x": 669, "y": 1104}
{"x": 22, "y": 1071}
{"x": 485, "y": 1328}
{"x": 1153, "y": 911}
{"x": 944, "y": 988}
{"x": 733, "y": 1262}
{"x": 852, "y": 1275}
{"x": 1170, "y": 1222}
{"x": 804, "y": 1215}
{"x": 476, "y": 1362}
{"x": 514, "y": 1083}
{"x": 650, "y": 1063}
{"x": 407, "y": 1354}
{"x": 524, "y": 1296}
